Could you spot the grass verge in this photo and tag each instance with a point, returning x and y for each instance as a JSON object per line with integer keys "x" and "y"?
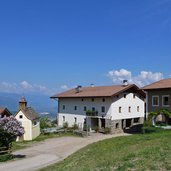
{"x": 6, "y": 157}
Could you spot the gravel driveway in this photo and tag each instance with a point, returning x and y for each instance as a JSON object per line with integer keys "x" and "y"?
{"x": 51, "y": 151}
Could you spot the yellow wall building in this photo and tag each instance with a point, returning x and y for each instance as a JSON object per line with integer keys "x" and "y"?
{"x": 29, "y": 119}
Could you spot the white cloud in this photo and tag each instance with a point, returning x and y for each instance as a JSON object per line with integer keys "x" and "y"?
{"x": 118, "y": 76}
{"x": 64, "y": 87}
{"x": 7, "y": 87}
{"x": 144, "y": 78}
{"x": 147, "y": 77}
{"x": 26, "y": 87}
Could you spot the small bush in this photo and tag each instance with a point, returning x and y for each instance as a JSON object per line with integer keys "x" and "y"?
{"x": 148, "y": 123}
{"x": 96, "y": 129}
{"x": 65, "y": 125}
{"x": 75, "y": 126}
{"x": 86, "y": 127}
{"x": 107, "y": 130}
{"x": 10, "y": 128}
{"x": 151, "y": 129}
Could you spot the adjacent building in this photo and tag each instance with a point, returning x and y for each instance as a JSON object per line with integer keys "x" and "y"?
{"x": 117, "y": 106}
{"x": 29, "y": 119}
{"x": 158, "y": 96}
{"x": 4, "y": 112}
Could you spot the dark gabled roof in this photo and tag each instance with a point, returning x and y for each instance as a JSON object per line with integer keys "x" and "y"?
{"x": 98, "y": 91}
{"x": 4, "y": 111}
{"x": 30, "y": 113}
{"x": 162, "y": 84}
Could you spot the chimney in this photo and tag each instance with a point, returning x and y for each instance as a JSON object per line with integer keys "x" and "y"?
{"x": 125, "y": 82}
{"x": 22, "y": 103}
{"x": 78, "y": 88}
{"x": 91, "y": 85}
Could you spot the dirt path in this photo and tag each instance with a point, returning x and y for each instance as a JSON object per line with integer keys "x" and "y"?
{"x": 51, "y": 151}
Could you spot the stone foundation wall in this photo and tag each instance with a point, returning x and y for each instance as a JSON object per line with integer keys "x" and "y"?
{"x": 115, "y": 125}
{"x": 118, "y": 126}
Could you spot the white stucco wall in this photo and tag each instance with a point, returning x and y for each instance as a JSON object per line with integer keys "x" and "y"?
{"x": 125, "y": 103}
{"x": 70, "y": 118}
{"x": 70, "y": 103}
{"x": 69, "y": 113}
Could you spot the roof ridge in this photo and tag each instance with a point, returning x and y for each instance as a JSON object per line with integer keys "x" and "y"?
{"x": 98, "y": 91}
{"x": 163, "y": 83}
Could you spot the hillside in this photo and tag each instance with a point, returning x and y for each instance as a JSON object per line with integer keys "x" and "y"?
{"x": 136, "y": 152}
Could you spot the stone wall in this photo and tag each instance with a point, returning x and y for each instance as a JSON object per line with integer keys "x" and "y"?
{"x": 118, "y": 126}
{"x": 115, "y": 125}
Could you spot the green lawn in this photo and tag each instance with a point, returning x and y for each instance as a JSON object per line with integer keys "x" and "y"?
{"x": 136, "y": 152}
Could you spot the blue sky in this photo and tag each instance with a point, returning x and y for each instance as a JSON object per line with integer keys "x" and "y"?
{"x": 49, "y": 46}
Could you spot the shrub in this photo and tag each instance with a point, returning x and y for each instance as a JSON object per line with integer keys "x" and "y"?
{"x": 107, "y": 130}
{"x": 45, "y": 122}
{"x": 151, "y": 129}
{"x": 6, "y": 157}
{"x": 86, "y": 127}
{"x": 10, "y": 128}
{"x": 65, "y": 125}
{"x": 75, "y": 126}
{"x": 96, "y": 129}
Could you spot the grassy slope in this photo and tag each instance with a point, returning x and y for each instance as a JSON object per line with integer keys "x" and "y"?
{"x": 137, "y": 152}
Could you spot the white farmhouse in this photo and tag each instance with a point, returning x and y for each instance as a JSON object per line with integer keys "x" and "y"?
{"x": 118, "y": 107}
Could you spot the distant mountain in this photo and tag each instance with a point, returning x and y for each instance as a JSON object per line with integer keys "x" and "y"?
{"x": 41, "y": 103}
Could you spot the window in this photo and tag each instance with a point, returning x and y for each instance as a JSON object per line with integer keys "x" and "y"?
{"x": 165, "y": 100}
{"x": 92, "y": 100}
{"x": 138, "y": 108}
{"x": 103, "y": 109}
{"x": 75, "y": 107}
{"x": 75, "y": 119}
{"x": 82, "y": 100}
{"x": 63, "y": 107}
{"x": 124, "y": 95}
{"x": 134, "y": 96}
{"x": 21, "y": 116}
{"x": 85, "y": 108}
{"x": 117, "y": 125}
{"x": 120, "y": 109}
{"x": 34, "y": 123}
{"x": 103, "y": 99}
{"x": 129, "y": 109}
{"x": 136, "y": 120}
{"x": 155, "y": 100}
{"x": 117, "y": 96}
{"x": 63, "y": 118}
{"x": 93, "y": 108}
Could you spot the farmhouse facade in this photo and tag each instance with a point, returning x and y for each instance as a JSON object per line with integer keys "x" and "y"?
{"x": 116, "y": 107}
{"x": 158, "y": 96}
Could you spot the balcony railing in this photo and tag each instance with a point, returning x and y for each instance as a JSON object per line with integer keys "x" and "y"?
{"x": 91, "y": 113}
